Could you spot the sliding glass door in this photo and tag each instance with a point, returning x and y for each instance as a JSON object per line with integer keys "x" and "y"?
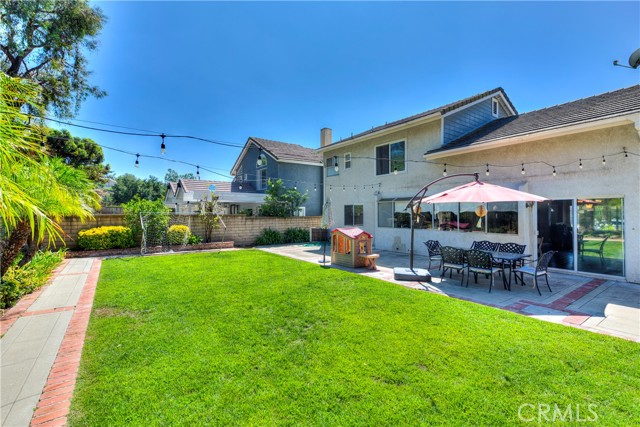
{"x": 587, "y": 234}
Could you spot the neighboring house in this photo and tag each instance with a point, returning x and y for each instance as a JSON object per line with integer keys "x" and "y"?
{"x": 583, "y": 155}
{"x": 185, "y": 195}
{"x": 298, "y": 167}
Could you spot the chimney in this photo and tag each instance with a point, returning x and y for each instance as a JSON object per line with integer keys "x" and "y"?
{"x": 325, "y": 137}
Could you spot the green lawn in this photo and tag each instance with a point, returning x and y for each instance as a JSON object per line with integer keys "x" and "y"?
{"x": 250, "y": 338}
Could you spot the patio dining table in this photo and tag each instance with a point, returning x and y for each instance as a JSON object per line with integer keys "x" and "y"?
{"x": 507, "y": 259}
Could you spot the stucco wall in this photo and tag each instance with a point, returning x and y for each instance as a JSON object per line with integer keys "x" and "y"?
{"x": 304, "y": 177}
{"x": 619, "y": 178}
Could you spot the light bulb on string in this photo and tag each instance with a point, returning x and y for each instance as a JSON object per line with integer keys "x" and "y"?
{"x": 604, "y": 161}
{"x": 137, "y": 161}
{"x": 580, "y": 165}
{"x": 295, "y": 185}
{"x": 315, "y": 188}
{"x": 444, "y": 172}
{"x": 335, "y": 163}
{"x": 330, "y": 188}
{"x": 554, "y": 171}
{"x": 625, "y": 151}
{"x": 354, "y": 188}
{"x": 240, "y": 186}
{"x": 343, "y": 188}
{"x": 487, "y": 172}
{"x": 163, "y": 147}
{"x": 522, "y": 171}
{"x": 197, "y": 172}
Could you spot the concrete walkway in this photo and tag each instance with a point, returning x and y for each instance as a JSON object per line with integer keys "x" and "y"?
{"x": 41, "y": 346}
{"x": 604, "y": 306}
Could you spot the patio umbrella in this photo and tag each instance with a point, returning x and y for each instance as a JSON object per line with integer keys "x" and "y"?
{"x": 481, "y": 192}
{"x": 475, "y": 192}
{"x": 327, "y": 222}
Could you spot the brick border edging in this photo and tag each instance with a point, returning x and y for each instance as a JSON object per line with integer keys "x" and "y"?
{"x": 14, "y": 313}
{"x": 55, "y": 400}
{"x": 152, "y": 250}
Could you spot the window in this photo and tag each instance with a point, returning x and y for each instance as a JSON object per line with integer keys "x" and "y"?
{"x": 502, "y": 217}
{"x": 347, "y": 161}
{"x": 495, "y": 107}
{"x": 262, "y": 161}
{"x": 332, "y": 166}
{"x": 262, "y": 183}
{"x": 353, "y": 215}
{"x": 390, "y": 158}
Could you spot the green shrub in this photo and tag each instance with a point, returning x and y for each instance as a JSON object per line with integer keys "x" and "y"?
{"x": 19, "y": 281}
{"x": 155, "y": 215}
{"x": 194, "y": 239}
{"x": 269, "y": 237}
{"x": 178, "y": 234}
{"x": 296, "y": 235}
{"x": 111, "y": 237}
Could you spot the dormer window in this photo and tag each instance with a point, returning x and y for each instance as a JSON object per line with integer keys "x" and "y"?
{"x": 495, "y": 107}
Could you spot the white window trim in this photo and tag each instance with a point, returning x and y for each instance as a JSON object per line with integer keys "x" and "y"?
{"x": 495, "y": 107}
{"x": 375, "y": 151}
{"x": 347, "y": 161}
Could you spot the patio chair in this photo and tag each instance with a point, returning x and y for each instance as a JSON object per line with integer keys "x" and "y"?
{"x": 599, "y": 251}
{"x": 485, "y": 245}
{"x": 453, "y": 259}
{"x": 435, "y": 252}
{"x": 539, "y": 270}
{"x": 513, "y": 248}
{"x": 481, "y": 262}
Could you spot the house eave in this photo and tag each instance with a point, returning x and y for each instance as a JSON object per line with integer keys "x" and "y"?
{"x": 595, "y": 124}
{"x": 386, "y": 131}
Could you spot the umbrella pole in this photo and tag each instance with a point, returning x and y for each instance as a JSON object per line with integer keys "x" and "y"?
{"x": 415, "y": 200}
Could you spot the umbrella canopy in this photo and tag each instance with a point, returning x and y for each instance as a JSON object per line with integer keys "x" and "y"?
{"x": 327, "y": 215}
{"x": 479, "y": 192}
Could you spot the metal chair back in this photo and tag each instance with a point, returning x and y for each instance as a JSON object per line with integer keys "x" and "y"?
{"x": 512, "y": 248}
{"x": 543, "y": 262}
{"x": 452, "y": 256}
{"x": 479, "y": 260}
{"x": 434, "y": 247}
{"x": 485, "y": 245}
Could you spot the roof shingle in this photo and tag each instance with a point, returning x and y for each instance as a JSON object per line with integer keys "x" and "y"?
{"x": 284, "y": 151}
{"x": 622, "y": 101}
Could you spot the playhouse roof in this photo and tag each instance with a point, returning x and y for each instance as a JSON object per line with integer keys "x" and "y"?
{"x": 352, "y": 232}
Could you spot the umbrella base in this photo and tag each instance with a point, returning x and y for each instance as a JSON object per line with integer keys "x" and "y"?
{"x": 411, "y": 275}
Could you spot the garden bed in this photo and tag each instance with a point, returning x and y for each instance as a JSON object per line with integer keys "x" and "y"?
{"x": 150, "y": 250}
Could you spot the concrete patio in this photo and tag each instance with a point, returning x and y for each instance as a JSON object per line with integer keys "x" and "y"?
{"x": 600, "y": 305}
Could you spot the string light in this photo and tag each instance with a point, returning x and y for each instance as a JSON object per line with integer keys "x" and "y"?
{"x": 604, "y": 161}
{"x": 522, "y": 171}
{"x": 197, "y": 172}
{"x": 354, "y": 188}
{"x": 295, "y": 186}
{"x": 444, "y": 172}
{"x": 240, "y": 186}
{"x": 315, "y": 188}
{"x": 137, "y": 161}
{"x": 580, "y": 165}
{"x": 487, "y": 172}
{"x": 163, "y": 148}
{"x": 554, "y": 171}
{"x": 335, "y": 163}
{"x": 343, "y": 188}
{"x": 330, "y": 188}
{"x": 395, "y": 168}
{"x": 625, "y": 151}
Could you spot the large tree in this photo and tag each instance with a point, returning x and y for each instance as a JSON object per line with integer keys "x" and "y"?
{"x": 45, "y": 41}
{"x": 127, "y": 186}
{"x": 81, "y": 153}
{"x": 37, "y": 191}
{"x": 173, "y": 176}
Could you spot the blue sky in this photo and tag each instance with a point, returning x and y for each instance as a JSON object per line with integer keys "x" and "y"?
{"x": 227, "y": 71}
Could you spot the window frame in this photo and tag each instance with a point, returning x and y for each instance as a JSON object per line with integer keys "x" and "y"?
{"x": 262, "y": 182}
{"x": 347, "y": 162}
{"x": 353, "y": 215}
{"x": 495, "y": 107}
{"x": 330, "y": 169}
{"x": 391, "y": 169}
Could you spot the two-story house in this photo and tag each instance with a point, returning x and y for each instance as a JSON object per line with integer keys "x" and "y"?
{"x": 583, "y": 155}
{"x": 185, "y": 195}
{"x": 297, "y": 166}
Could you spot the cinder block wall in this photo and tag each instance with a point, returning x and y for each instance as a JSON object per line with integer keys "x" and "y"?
{"x": 241, "y": 229}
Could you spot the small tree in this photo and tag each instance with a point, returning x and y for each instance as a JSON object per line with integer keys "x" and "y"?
{"x": 155, "y": 213}
{"x": 280, "y": 201}
{"x": 209, "y": 214}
